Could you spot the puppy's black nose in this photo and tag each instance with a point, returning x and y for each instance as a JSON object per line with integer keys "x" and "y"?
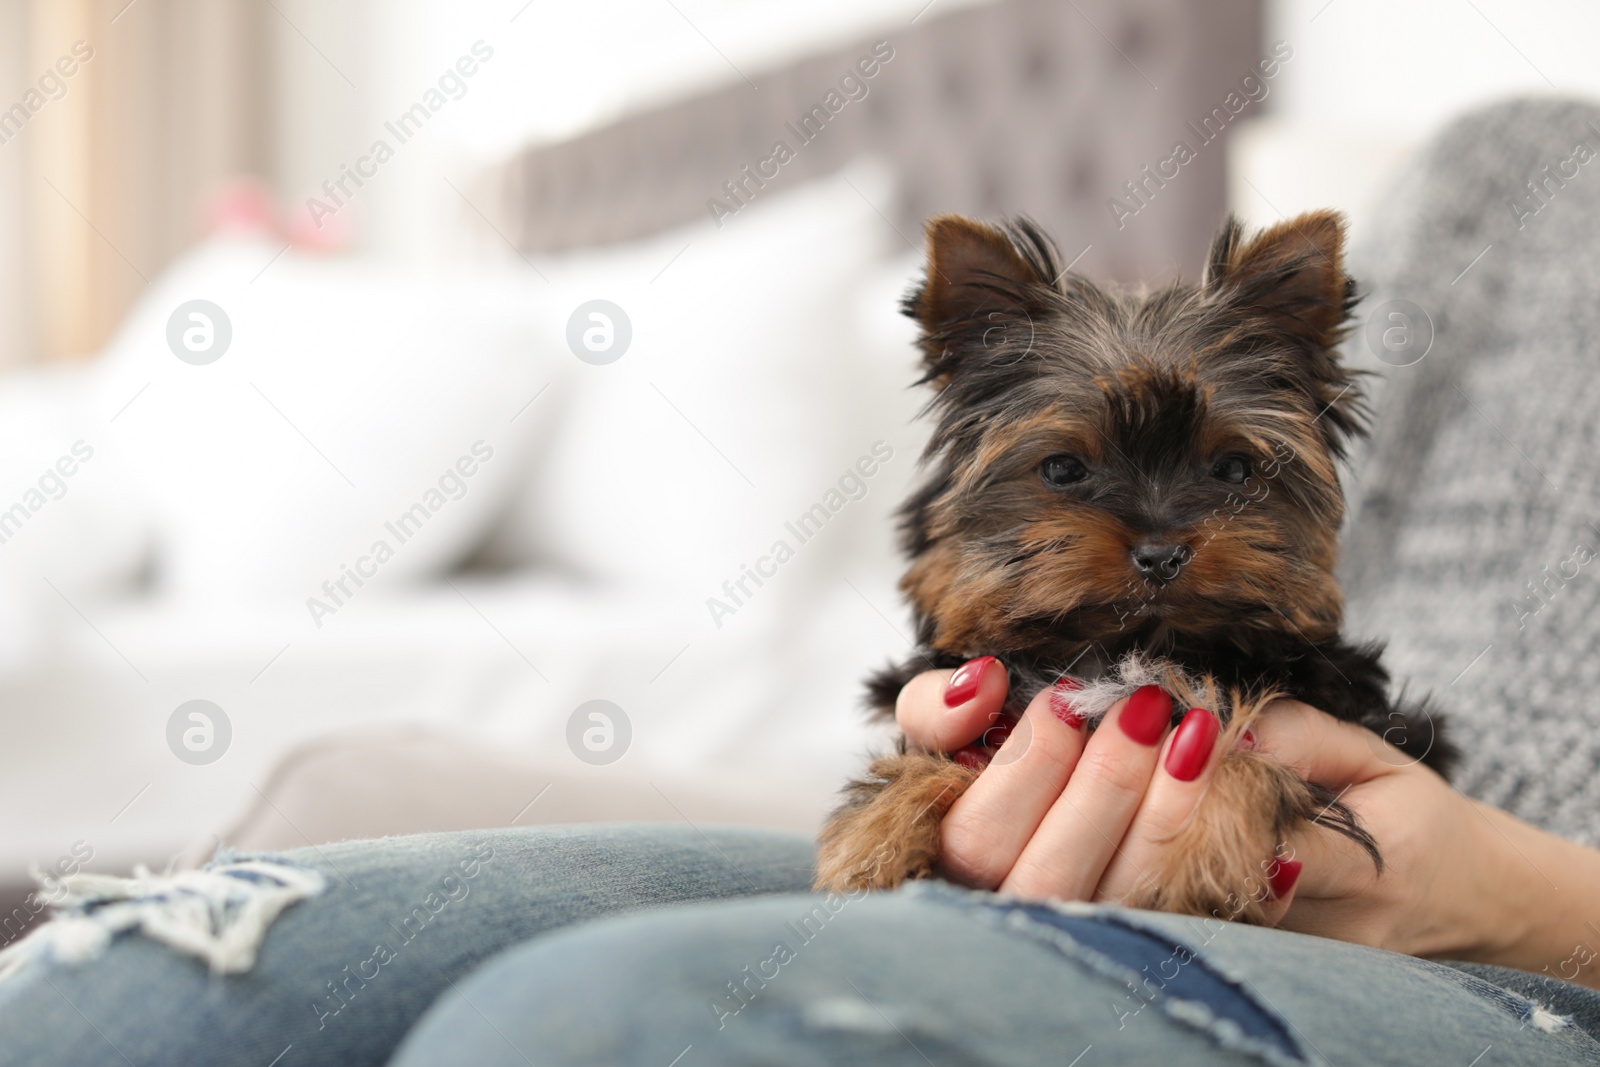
{"x": 1160, "y": 561}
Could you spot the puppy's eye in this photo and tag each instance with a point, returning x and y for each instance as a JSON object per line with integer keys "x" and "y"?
{"x": 1063, "y": 470}
{"x": 1232, "y": 468}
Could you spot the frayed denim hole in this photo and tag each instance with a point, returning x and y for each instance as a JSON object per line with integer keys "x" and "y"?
{"x": 220, "y": 914}
{"x": 1195, "y": 981}
{"x": 1525, "y": 1010}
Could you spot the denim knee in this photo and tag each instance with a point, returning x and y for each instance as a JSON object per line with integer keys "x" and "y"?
{"x": 886, "y": 978}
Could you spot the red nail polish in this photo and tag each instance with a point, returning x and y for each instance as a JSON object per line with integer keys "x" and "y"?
{"x": 1285, "y": 873}
{"x": 996, "y": 735}
{"x": 963, "y": 684}
{"x": 972, "y": 756}
{"x": 1063, "y": 706}
{"x": 1146, "y": 714}
{"x": 1192, "y": 745}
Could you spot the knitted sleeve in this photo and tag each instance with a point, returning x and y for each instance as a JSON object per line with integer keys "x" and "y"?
{"x": 1475, "y": 509}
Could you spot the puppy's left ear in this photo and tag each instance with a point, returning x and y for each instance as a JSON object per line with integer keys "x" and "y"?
{"x": 1293, "y": 274}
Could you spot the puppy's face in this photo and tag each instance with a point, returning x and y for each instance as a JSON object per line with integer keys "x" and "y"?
{"x": 1109, "y": 466}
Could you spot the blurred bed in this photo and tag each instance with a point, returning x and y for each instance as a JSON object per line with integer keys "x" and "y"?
{"x": 582, "y": 561}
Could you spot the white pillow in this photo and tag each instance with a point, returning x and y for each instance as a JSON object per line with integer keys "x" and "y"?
{"x": 360, "y": 420}
{"x": 67, "y": 514}
{"x": 71, "y": 527}
{"x": 734, "y": 409}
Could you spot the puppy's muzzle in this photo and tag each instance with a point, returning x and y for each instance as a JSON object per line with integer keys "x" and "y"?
{"x": 1160, "y": 561}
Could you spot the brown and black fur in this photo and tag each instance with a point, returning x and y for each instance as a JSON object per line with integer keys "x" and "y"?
{"x": 1150, "y": 392}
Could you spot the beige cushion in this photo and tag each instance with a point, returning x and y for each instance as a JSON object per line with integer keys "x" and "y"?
{"x": 413, "y": 781}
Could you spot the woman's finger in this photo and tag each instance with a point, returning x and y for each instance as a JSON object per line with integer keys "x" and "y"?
{"x": 941, "y": 711}
{"x": 1281, "y": 875}
{"x": 1335, "y": 866}
{"x": 986, "y": 830}
{"x": 1335, "y": 882}
{"x": 1080, "y": 834}
{"x": 1184, "y": 772}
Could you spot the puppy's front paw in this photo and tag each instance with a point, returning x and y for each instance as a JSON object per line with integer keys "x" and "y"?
{"x": 887, "y": 830}
{"x": 1220, "y": 863}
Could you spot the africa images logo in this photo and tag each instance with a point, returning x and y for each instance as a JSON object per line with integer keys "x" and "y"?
{"x": 852, "y": 485}
{"x": 853, "y": 85}
{"x": 453, "y": 484}
{"x": 341, "y": 189}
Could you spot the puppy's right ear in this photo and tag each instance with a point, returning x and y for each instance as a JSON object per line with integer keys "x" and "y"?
{"x": 983, "y": 283}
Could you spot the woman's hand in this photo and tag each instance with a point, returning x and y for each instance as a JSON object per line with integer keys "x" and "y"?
{"x": 1461, "y": 879}
{"x": 1062, "y": 814}
{"x": 1058, "y": 812}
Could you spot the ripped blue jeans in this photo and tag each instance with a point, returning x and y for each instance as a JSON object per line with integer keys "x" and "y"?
{"x": 672, "y": 947}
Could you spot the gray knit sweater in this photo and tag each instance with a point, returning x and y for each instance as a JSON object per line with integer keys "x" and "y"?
{"x": 1473, "y": 545}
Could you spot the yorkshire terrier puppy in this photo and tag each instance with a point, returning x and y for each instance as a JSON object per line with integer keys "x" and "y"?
{"x": 1134, "y": 488}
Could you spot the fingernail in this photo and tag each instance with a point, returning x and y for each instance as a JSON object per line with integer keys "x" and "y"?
{"x": 1285, "y": 874}
{"x": 996, "y": 735}
{"x": 1146, "y": 714}
{"x": 963, "y": 684}
{"x": 1192, "y": 744}
{"x": 1246, "y": 742}
{"x": 972, "y": 756}
{"x": 1062, "y": 705}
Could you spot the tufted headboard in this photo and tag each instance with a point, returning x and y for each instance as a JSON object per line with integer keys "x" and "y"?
{"x": 1042, "y": 107}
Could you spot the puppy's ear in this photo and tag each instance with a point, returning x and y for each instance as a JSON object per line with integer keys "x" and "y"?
{"x": 983, "y": 286}
{"x": 1293, "y": 274}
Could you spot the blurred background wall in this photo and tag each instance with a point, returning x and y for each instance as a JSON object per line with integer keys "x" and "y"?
{"x": 109, "y": 182}
{"x": 1371, "y": 79}
{"x": 105, "y": 181}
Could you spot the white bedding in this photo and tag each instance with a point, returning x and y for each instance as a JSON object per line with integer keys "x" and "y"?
{"x": 625, "y": 516}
